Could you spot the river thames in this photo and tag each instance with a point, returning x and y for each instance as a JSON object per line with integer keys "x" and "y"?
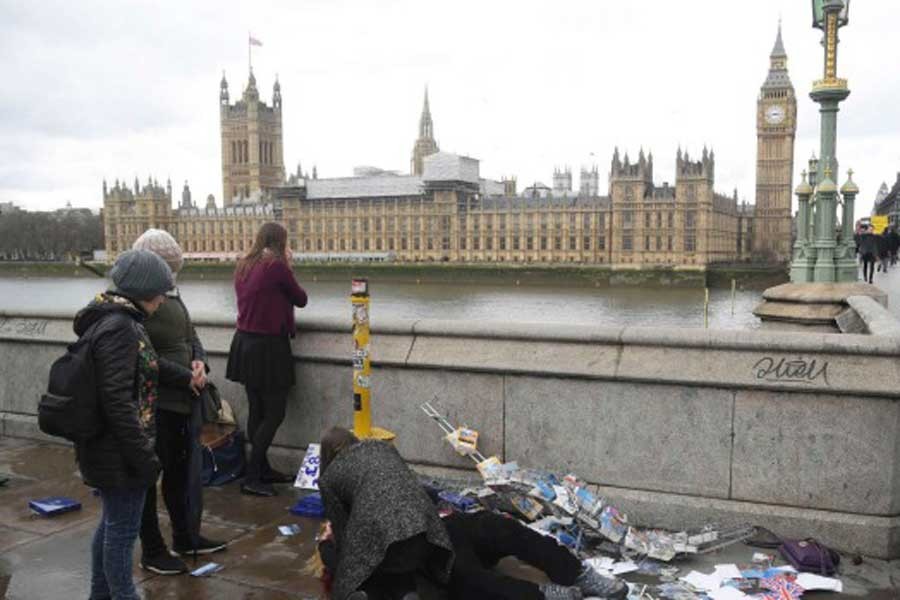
{"x": 649, "y": 306}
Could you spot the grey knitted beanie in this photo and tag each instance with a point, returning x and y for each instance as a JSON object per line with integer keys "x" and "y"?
{"x": 141, "y": 275}
{"x": 161, "y": 242}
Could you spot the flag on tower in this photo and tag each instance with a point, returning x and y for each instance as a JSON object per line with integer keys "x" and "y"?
{"x": 254, "y": 41}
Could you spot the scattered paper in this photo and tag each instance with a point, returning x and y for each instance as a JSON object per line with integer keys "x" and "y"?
{"x": 626, "y": 566}
{"x": 308, "y": 475}
{"x": 726, "y": 572}
{"x": 726, "y": 593}
{"x": 810, "y": 581}
{"x": 601, "y": 563}
{"x": 701, "y": 581}
{"x": 207, "y": 569}
{"x": 289, "y": 529}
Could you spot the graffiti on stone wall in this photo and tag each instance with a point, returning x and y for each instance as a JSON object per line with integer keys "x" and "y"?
{"x": 27, "y": 327}
{"x": 791, "y": 370}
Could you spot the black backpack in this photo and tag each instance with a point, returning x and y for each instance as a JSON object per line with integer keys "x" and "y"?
{"x": 71, "y": 408}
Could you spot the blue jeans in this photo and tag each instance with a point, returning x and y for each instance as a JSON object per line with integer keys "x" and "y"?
{"x": 111, "y": 550}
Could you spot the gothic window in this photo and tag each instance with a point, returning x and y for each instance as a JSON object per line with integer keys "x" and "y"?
{"x": 587, "y": 242}
{"x": 689, "y": 243}
{"x": 659, "y": 245}
{"x": 628, "y": 218}
{"x": 670, "y": 243}
{"x": 601, "y": 243}
{"x": 646, "y": 242}
{"x": 629, "y": 194}
{"x": 557, "y": 243}
{"x": 627, "y": 242}
{"x": 572, "y": 243}
{"x": 515, "y": 242}
{"x": 671, "y": 221}
{"x": 689, "y": 218}
{"x": 658, "y": 220}
{"x": 543, "y": 243}
{"x": 691, "y": 193}
{"x": 233, "y": 152}
{"x": 647, "y": 220}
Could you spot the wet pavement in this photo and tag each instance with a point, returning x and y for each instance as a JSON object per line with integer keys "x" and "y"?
{"x": 48, "y": 558}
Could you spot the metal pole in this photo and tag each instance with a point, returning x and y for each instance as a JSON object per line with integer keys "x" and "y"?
{"x": 706, "y": 308}
{"x": 733, "y": 288}
{"x": 362, "y": 368}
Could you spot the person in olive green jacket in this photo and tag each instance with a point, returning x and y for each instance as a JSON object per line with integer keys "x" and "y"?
{"x": 177, "y": 421}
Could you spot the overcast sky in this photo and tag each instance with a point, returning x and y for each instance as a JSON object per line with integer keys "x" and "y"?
{"x": 95, "y": 89}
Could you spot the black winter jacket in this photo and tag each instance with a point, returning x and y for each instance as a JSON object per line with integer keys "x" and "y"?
{"x": 127, "y": 374}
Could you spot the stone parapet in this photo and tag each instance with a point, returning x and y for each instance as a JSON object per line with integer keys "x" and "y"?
{"x": 685, "y": 424}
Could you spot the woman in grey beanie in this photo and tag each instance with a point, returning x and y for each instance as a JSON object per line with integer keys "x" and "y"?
{"x": 121, "y": 462}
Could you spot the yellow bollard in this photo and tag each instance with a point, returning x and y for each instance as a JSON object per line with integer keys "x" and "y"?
{"x": 362, "y": 369}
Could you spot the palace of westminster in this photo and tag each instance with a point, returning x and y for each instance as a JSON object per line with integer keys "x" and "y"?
{"x": 443, "y": 210}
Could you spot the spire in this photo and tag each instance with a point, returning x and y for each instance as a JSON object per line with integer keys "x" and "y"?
{"x": 778, "y": 49}
{"x": 276, "y": 93}
{"x": 426, "y": 127}
{"x": 223, "y": 91}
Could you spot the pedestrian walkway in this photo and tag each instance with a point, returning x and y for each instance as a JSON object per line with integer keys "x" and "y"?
{"x": 890, "y": 283}
{"x": 47, "y": 558}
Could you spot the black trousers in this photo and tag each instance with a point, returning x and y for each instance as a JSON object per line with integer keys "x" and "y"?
{"x": 173, "y": 443}
{"x": 868, "y": 268}
{"x": 267, "y": 409}
{"x": 397, "y": 573}
{"x": 482, "y": 539}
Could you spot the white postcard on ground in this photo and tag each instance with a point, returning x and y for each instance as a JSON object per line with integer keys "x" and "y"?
{"x": 810, "y": 581}
{"x": 727, "y": 593}
{"x": 308, "y": 475}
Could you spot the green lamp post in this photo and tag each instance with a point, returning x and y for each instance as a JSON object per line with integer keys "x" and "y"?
{"x": 823, "y": 248}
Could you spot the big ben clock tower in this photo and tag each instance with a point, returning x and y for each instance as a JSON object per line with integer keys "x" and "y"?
{"x": 776, "y": 126}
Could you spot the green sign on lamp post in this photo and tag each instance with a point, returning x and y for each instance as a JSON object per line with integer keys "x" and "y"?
{"x": 821, "y": 257}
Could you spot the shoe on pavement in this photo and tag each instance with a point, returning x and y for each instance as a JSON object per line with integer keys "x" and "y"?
{"x": 593, "y": 584}
{"x": 163, "y": 564}
{"x": 553, "y": 591}
{"x": 258, "y": 488}
{"x": 204, "y": 546}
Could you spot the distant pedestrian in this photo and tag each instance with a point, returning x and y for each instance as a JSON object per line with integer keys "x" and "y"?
{"x": 884, "y": 252}
{"x": 386, "y": 530}
{"x": 868, "y": 249}
{"x": 178, "y": 423}
{"x": 894, "y": 244}
{"x": 121, "y": 462}
{"x": 260, "y": 356}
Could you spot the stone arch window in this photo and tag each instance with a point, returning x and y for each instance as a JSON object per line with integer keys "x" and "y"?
{"x": 246, "y": 152}
{"x": 233, "y": 152}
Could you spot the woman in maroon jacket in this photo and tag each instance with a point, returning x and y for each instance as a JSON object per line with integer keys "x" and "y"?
{"x": 260, "y": 355}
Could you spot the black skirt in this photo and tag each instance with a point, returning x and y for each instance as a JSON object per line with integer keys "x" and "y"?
{"x": 264, "y": 362}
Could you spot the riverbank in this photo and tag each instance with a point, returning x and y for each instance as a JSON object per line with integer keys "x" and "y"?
{"x": 717, "y": 276}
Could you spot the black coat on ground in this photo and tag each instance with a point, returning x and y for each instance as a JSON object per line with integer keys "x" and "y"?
{"x": 373, "y": 500}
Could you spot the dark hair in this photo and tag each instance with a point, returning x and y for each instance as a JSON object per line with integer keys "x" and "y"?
{"x": 270, "y": 244}
{"x": 334, "y": 441}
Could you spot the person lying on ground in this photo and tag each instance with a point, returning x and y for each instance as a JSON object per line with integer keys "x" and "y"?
{"x": 386, "y": 531}
{"x": 481, "y": 540}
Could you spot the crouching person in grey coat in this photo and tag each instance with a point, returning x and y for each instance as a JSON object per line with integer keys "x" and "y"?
{"x": 385, "y": 529}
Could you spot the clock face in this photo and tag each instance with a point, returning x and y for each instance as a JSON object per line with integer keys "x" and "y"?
{"x": 775, "y": 114}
